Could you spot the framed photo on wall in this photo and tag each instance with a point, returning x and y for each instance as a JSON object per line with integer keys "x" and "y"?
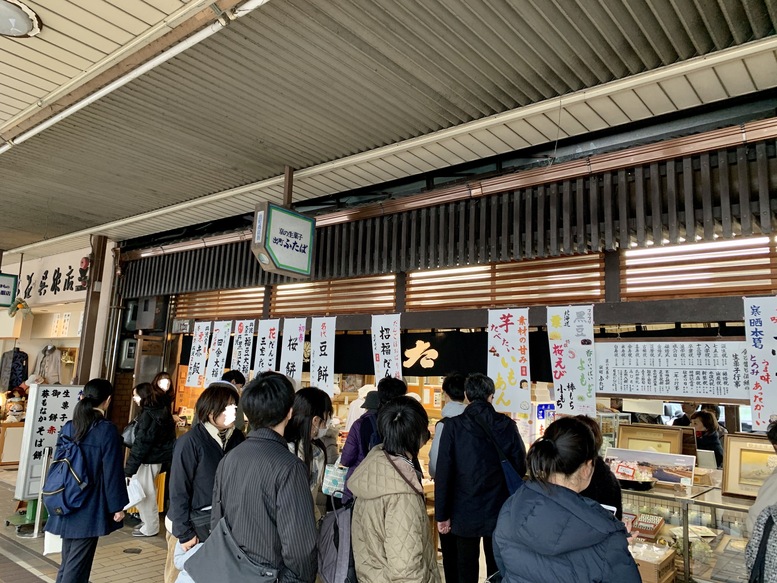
{"x": 657, "y": 438}
{"x": 748, "y": 459}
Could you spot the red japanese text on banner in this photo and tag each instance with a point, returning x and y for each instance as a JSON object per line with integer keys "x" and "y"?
{"x": 293, "y": 348}
{"x": 266, "y": 345}
{"x": 242, "y": 346}
{"x": 508, "y": 360}
{"x": 217, "y": 356}
{"x": 572, "y": 360}
{"x": 761, "y": 333}
{"x": 322, "y": 354}
{"x": 195, "y": 376}
{"x": 386, "y": 351}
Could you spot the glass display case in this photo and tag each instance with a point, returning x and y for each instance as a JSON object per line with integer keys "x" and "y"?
{"x": 609, "y": 423}
{"x": 714, "y": 524}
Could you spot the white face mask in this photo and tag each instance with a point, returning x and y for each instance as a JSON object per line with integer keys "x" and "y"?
{"x": 136, "y": 398}
{"x": 321, "y": 432}
{"x": 164, "y": 384}
{"x": 230, "y": 414}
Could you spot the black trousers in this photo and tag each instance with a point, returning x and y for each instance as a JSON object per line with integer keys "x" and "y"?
{"x": 468, "y": 551}
{"x": 450, "y": 557}
{"x": 77, "y": 558}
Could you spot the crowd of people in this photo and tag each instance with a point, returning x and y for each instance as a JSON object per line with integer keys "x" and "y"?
{"x": 549, "y": 514}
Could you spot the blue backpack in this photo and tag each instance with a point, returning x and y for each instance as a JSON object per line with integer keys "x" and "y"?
{"x": 67, "y": 482}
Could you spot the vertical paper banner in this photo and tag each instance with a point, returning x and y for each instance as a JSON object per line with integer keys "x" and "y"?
{"x": 242, "y": 346}
{"x": 293, "y": 348}
{"x": 266, "y": 346}
{"x": 217, "y": 355}
{"x": 761, "y": 332}
{"x": 571, "y": 339}
{"x": 508, "y": 360}
{"x": 386, "y": 346}
{"x": 322, "y": 354}
{"x": 197, "y": 357}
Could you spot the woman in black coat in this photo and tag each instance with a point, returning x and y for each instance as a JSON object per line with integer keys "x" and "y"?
{"x": 151, "y": 449}
{"x": 604, "y": 486}
{"x": 707, "y": 436}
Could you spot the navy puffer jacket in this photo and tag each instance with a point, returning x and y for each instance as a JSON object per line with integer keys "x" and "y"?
{"x": 547, "y": 534}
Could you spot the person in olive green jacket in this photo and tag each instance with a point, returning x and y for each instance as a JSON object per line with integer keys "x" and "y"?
{"x": 390, "y": 528}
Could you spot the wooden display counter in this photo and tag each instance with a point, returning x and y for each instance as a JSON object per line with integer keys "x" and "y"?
{"x": 10, "y": 443}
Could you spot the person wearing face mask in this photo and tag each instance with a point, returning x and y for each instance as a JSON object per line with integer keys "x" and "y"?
{"x": 163, "y": 385}
{"x": 151, "y": 449}
{"x": 707, "y": 437}
{"x": 390, "y": 528}
{"x": 547, "y": 531}
{"x": 311, "y": 413}
{"x": 195, "y": 458}
{"x": 237, "y": 380}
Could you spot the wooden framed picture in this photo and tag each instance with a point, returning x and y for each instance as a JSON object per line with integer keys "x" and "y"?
{"x": 748, "y": 459}
{"x": 656, "y": 438}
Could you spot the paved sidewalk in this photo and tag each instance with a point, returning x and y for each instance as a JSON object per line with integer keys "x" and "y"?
{"x": 22, "y": 560}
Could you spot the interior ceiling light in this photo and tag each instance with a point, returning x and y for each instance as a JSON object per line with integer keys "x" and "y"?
{"x": 18, "y": 20}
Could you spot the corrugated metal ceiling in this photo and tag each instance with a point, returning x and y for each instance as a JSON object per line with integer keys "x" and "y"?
{"x": 308, "y": 82}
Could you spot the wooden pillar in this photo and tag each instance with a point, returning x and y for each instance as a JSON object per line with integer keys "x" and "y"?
{"x": 288, "y": 184}
{"x": 87, "y": 347}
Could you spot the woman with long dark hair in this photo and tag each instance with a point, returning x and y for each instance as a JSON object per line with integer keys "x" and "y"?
{"x": 311, "y": 413}
{"x": 153, "y": 447}
{"x": 163, "y": 385}
{"x": 547, "y": 531}
{"x": 103, "y": 509}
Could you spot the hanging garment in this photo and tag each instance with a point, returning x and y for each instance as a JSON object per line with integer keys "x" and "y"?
{"x": 13, "y": 369}
{"x": 48, "y": 364}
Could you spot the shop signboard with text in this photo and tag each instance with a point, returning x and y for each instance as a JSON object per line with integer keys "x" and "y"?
{"x": 55, "y": 279}
{"x": 322, "y": 354}
{"x": 386, "y": 346}
{"x": 266, "y": 345}
{"x": 293, "y": 348}
{"x": 283, "y": 240}
{"x": 508, "y": 360}
{"x": 8, "y": 285}
{"x": 761, "y": 334}
{"x": 571, "y": 342}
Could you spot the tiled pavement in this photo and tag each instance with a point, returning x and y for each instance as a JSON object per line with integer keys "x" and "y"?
{"x": 22, "y": 560}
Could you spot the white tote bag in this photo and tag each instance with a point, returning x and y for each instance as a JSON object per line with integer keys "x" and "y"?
{"x": 134, "y": 492}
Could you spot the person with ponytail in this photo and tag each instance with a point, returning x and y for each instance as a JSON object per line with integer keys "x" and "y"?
{"x": 151, "y": 450}
{"x": 547, "y": 531}
{"x": 310, "y": 415}
{"x": 102, "y": 511}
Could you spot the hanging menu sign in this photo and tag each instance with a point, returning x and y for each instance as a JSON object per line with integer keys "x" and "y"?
{"x": 322, "y": 354}
{"x": 242, "y": 346}
{"x": 266, "y": 346}
{"x": 195, "y": 377}
{"x": 217, "y": 355}
{"x": 675, "y": 369}
{"x": 571, "y": 339}
{"x": 508, "y": 360}
{"x": 48, "y": 409}
{"x": 761, "y": 332}
{"x": 293, "y": 347}
{"x": 386, "y": 346}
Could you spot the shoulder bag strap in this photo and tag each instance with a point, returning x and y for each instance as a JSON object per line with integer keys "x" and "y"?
{"x": 502, "y": 456}
{"x": 759, "y": 566}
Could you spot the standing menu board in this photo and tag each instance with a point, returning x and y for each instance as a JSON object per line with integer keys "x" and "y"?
{"x": 48, "y": 409}
{"x": 711, "y": 370}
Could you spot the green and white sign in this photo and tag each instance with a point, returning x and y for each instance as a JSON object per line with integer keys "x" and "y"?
{"x": 283, "y": 240}
{"x": 7, "y": 289}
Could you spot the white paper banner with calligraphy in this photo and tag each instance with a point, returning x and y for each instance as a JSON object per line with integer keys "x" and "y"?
{"x": 242, "y": 346}
{"x": 322, "y": 354}
{"x": 508, "y": 360}
{"x": 266, "y": 346}
{"x": 195, "y": 377}
{"x": 711, "y": 370}
{"x": 55, "y": 279}
{"x": 217, "y": 356}
{"x": 572, "y": 360}
{"x": 48, "y": 409}
{"x": 293, "y": 347}
{"x": 761, "y": 332}
{"x": 386, "y": 349}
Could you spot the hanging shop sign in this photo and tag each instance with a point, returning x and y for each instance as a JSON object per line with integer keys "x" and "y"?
{"x": 508, "y": 360}
{"x": 715, "y": 371}
{"x": 242, "y": 346}
{"x": 195, "y": 377}
{"x": 55, "y": 279}
{"x": 266, "y": 346}
{"x": 386, "y": 346}
{"x": 217, "y": 355}
{"x": 8, "y": 284}
{"x": 49, "y": 407}
{"x": 293, "y": 348}
{"x": 322, "y": 354}
{"x": 571, "y": 341}
{"x": 283, "y": 240}
{"x": 761, "y": 333}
